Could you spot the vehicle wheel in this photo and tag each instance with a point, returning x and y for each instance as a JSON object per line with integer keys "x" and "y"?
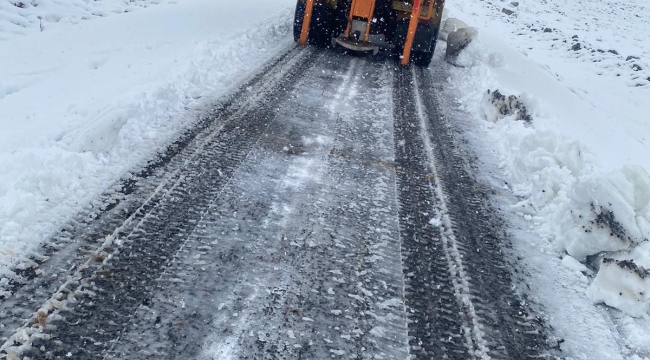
{"x": 422, "y": 58}
{"x": 321, "y": 29}
{"x": 297, "y": 20}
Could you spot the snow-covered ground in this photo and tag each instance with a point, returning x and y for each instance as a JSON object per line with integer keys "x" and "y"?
{"x": 89, "y": 90}
{"x": 92, "y": 97}
{"x": 579, "y": 168}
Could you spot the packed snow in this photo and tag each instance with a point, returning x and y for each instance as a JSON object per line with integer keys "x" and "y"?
{"x": 570, "y": 127}
{"x": 82, "y": 103}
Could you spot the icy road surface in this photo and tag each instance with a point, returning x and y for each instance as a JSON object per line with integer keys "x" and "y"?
{"x": 326, "y": 210}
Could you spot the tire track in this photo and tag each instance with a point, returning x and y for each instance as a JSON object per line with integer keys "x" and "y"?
{"x": 436, "y": 328}
{"x": 491, "y": 316}
{"x": 301, "y": 245}
{"x": 127, "y": 264}
{"x": 510, "y": 326}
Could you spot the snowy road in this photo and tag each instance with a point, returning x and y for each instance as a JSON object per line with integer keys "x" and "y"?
{"x": 326, "y": 210}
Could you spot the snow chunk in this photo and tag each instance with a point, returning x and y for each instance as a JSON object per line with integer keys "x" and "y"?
{"x": 462, "y": 49}
{"x": 623, "y": 285}
{"x": 496, "y": 106}
{"x": 641, "y": 254}
{"x": 450, "y": 25}
{"x": 610, "y": 213}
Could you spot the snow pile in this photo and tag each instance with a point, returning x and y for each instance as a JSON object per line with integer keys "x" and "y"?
{"x": 86, "y": 104}
{"x": 581, "y": 210}
{"x": 20, "y": 17}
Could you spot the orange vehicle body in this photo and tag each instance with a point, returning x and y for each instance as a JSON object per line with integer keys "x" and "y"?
{"x": 408, "y": 25}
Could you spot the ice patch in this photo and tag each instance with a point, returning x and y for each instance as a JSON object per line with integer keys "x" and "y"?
{"x": 337, "y": 352}
{"x": 395, "y": 302}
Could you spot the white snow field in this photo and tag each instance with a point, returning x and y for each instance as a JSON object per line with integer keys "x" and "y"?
{"x": 91, "y": 97}
{"x": 579, "y": 168}
{"x": 20, "y": 17}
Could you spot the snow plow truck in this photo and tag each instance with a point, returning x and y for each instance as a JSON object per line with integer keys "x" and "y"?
{"x": 408, "y": 27}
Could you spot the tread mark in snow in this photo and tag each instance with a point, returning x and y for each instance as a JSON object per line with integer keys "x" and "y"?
{"x": 202, "y": 169}
{"x": 473, "y": 311}
{"x": 311, "y": 252}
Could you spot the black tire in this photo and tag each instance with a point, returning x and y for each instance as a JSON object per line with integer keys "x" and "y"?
{"x": 321, "y": 28}
{"x": 424, "y": 44}
{"x": 423, "y": 58}
{"x": 297, "y": 20}
{"x": 418, "y": 58}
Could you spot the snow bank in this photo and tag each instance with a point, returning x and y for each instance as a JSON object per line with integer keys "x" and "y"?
{"x": 87, "y": 103}
{"x": 581, "y": 209}
{"x": 583, "y": 74}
